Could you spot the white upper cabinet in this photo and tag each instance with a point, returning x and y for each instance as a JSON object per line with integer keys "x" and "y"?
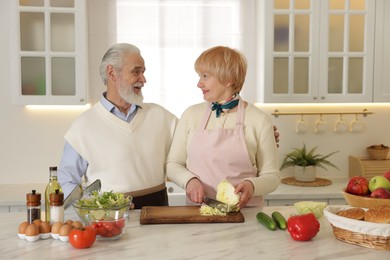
{"x": 49, "y": 52}
{"x": 319, "y": 51}
{"x": 382, "y": 52}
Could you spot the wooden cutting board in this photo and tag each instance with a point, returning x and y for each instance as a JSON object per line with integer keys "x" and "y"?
{"x": 184, "y": 214}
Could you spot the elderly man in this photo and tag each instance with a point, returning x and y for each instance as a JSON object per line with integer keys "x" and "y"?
{"x": 120, "y": 140}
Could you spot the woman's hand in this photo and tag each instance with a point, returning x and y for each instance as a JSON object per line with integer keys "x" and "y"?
{"x": 195, "y": 190}
{"x": 246, "y": 189}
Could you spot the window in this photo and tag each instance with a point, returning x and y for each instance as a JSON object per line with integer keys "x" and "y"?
{"x": 172, "y": 34}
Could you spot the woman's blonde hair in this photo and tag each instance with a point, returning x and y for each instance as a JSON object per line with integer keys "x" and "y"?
{"x": 226, "y": 64}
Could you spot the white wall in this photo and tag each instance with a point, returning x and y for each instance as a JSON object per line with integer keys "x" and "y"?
{"x": 32, "y": 140}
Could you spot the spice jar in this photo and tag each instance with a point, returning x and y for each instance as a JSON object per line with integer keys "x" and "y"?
{"x": 33, "y": 206}
{"x": 56, "y": 207}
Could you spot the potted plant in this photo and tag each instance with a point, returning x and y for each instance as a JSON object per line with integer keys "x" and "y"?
{"x": 305, "y": 162}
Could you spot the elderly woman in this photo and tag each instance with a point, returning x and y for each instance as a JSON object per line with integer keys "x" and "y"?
{"x": 224, "y": 137}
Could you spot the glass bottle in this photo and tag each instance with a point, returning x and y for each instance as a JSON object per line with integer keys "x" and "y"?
{"x": 33, "y": 206}
{"x": 51, "y": 187}
{"x": 56, "y": 207}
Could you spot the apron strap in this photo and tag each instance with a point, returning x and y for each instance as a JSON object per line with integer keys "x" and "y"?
{"x": 205, "y": 118}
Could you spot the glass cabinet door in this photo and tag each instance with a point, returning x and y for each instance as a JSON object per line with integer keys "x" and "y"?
{"x": 50, "y": 56}
{"x": 321, "y": 51}
{"x": 348, "y": 51}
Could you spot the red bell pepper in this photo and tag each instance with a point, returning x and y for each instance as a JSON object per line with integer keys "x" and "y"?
{"x": 303, "y": 227}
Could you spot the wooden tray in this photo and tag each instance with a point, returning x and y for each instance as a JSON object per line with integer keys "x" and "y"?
{"x": 319, "y": 182}
{"x": 183, "y": 215}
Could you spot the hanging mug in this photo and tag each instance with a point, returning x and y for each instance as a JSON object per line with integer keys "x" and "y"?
{"x": 320, "y": 126}
{"x": 356, "y": 125}
{"x": 301, "y": 126}
{"x": 341, "y": 126}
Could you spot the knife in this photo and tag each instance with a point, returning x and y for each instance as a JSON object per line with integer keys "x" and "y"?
{"x": 223, "y": 207}
{"x": 78, "y": 192}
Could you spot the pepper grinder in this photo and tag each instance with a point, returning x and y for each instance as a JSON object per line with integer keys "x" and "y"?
{"x": 33, "y": 206}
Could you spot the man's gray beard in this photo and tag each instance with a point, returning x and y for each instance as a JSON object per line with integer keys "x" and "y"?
{"x": 130, "y": 97}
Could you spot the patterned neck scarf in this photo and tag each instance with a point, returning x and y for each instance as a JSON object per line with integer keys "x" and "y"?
{"x": 225, "y": 105}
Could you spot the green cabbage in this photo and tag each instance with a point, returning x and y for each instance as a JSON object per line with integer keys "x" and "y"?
{"x": 225, "y": 194}
{"x": 304, "y": 207}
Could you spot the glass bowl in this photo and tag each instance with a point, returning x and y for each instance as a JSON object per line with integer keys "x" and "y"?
{"x": 109, "y": 223}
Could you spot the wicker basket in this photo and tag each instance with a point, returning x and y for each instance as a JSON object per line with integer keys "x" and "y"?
{"x": 361, "y": 239}
{"x": 358, "y": 232}
{"x": 378, "y": 151}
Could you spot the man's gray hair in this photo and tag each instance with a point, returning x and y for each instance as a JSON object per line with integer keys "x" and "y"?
{"x": 114, "y": 56}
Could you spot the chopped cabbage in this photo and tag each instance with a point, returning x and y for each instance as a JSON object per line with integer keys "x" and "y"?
{"x": 207, "y": 210}
{"x": 304, "y": 207}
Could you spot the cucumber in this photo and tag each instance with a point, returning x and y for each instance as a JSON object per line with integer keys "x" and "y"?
{"x": 279, "y": 219}
{"x": 266, "y": 220}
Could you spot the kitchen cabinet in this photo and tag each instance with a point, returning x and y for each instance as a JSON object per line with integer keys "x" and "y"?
{"x": 320, "y": 51}
{"x": 382, "y": 52}
{"x": 12, "y": 208}
{"x": 290, "y": 202}
{"x": 49, "y": 52}
{"x": 287, "y": 195}
{"x": 14, "y": 195}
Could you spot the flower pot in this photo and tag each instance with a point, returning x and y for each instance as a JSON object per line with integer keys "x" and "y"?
{"x": 305, "y": 174}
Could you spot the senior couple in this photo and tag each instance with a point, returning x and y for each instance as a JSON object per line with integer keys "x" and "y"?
{"x": 133, "y": 146}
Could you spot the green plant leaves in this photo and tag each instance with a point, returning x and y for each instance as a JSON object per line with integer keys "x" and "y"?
{"x": 304, "y": 157}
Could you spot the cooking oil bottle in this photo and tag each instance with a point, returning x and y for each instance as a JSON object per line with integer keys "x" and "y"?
{"x": 51, "y": 187}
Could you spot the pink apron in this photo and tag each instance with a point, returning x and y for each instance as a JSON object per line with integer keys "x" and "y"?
{"x": 220, "y": 154}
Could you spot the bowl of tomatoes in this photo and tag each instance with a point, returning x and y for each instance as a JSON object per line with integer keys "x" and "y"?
{"x": 107, "y": 213}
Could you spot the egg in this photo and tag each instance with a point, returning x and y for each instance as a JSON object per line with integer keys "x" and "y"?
{"x": 37, "y": 222}
{"x": 44, "y": 227}
{"x": 44, "y": 230}
{"x": 32, "y": 233}
{"x": 77, "y": 224}
{"x": 65, "y": 229}
{"x": 55, "y": 229}
{"x": 64, "y": 232}
{"x": 69, "y": 221}
{"x": 22, "y": 229}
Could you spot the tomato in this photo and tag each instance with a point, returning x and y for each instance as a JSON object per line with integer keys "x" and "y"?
{"x": 82, "y": 237}
{"x": 120, "y": 223}
{"x": 116, "y": 231}
{"x": 109, "y": 228}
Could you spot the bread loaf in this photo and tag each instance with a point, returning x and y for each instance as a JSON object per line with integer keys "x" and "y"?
{"x": 378, "y": 214}
{"x": 354, "y": 213}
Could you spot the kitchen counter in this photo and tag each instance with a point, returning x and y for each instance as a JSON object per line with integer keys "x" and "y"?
{"x": 248, "y": 240}
{"x": 286, "y": 195}
{"x": 13, "y": 198}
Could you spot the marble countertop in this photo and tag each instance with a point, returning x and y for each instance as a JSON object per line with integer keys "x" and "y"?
{"x": 248, "y": 240}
